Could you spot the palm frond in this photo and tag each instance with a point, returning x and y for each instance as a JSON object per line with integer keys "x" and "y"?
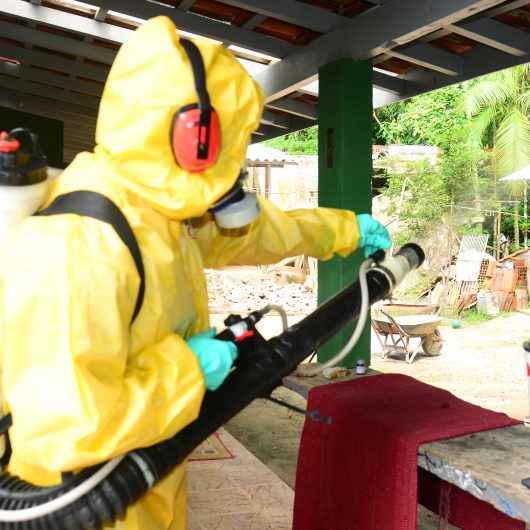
{"x": 480, "y": 124}
{"x": 511, "y": 79}
{"x": 522, "y": 72}
{"x": 513, "y": 141}
{"x": 523, "y": 102}
{"x": 487, "y": 93}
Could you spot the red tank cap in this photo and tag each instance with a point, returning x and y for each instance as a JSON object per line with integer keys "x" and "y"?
{"x": 7, "y": 145}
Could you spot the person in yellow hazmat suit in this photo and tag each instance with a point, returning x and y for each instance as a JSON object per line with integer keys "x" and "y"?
{"x": 83, "y": 385}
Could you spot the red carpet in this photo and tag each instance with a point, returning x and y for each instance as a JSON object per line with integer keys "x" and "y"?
{"x": 357, "y": 467}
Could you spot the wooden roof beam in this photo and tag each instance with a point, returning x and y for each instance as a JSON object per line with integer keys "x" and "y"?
{"x": 366, "y": 36}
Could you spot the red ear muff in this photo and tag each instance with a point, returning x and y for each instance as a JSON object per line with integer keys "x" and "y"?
{"x": 196, "y": 138}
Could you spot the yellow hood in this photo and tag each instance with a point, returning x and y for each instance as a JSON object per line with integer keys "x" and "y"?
{"x": 150, "y": 80}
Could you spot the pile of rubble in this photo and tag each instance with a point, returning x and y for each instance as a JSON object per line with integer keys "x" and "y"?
{"x": 229, "y": 292}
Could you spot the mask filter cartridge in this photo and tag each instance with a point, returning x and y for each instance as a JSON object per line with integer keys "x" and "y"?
{"x": 237, "y": 208}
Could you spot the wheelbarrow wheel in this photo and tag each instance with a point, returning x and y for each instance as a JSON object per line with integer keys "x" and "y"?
{"x": 432, "y": 344}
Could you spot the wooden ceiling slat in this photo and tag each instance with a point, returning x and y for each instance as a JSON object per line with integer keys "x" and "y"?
{"x": 87, "y": 80}
{"x": 97, "y": 63}
{"x": 346, "y": 8}
{"x": 226, "y": 13}
{"x": 519, "y": 18}
{"x": 58, "y": 31}
{"x": 13, "y": 42}
{"x": 396, "y": 65}
{"x": 106, "y": 44}
{"x": 286, "y": 31}
{"x": 116, "y": 20}
{"x": 57, "y": 53}
{"x": 44, "y": 69}
{"x": 62, "y": 6}
{"x": 453, "y": 43}
{"x": 307, "y": 98}
{"x": 12, "y": 20}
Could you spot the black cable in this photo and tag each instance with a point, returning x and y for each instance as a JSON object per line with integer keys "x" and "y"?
{"x": 286, "y": 405}
{"x": 312, "y": 414}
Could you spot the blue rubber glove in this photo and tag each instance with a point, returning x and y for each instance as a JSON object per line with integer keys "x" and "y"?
{"x": 374, "y": 236}
{"x": 215, "y": 357}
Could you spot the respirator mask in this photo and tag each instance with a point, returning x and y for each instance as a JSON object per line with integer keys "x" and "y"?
{"x": 196, "y": 142}
{"x": 237, "y": 208}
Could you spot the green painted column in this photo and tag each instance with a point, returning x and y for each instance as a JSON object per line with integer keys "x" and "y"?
{"x": 344, "y": 174}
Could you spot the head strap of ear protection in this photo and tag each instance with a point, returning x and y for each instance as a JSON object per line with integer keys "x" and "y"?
{"x": 199, "y": 72}
{"x": 195, "y": 132}
{"x": 205, "y": 108}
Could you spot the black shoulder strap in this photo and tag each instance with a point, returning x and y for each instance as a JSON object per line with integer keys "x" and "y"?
{"x": 97, "y": 206}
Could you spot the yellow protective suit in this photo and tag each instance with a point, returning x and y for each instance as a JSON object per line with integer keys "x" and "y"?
{"x": 82, "y": 384}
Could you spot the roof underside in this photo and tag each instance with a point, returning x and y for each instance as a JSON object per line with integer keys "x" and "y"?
{"x": 55, "y": 54}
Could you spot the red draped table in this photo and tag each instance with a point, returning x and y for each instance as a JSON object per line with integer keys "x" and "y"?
{"x": 488, "y": 465}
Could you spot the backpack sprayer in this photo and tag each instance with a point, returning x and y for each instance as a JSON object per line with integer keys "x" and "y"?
{"x": 100, "y": 495}
{"x": 23, "y": 178}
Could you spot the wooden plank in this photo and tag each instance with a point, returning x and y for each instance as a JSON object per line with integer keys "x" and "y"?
{"x": 489, "y": 465}
{"x": 302, "y": 385}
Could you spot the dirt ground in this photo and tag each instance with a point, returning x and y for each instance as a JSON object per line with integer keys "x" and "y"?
{"x": 481, "y": 363}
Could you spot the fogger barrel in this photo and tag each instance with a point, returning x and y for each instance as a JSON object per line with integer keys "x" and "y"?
{"x": 262, "y": 366}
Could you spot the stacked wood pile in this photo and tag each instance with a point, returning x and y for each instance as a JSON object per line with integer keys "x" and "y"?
{"x": 509, "y": 285}
{"x": 504, "y": 283}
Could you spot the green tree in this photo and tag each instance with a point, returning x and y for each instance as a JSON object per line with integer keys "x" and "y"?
{"x": 499, "y": 106}
{"x": 419, "y": 199}
{"x": 461, "y": 184}
{"x": 431, "y": 119}
{"x": 304, "y": 142}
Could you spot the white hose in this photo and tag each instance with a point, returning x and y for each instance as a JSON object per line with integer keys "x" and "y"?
{"x": 26, "y": 514}
{"x": 280, "y": 310}
{"x": 311, "y": 371}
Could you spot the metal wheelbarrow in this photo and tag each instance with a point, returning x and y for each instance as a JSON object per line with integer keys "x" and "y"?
{"x": 395, "y": 326}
